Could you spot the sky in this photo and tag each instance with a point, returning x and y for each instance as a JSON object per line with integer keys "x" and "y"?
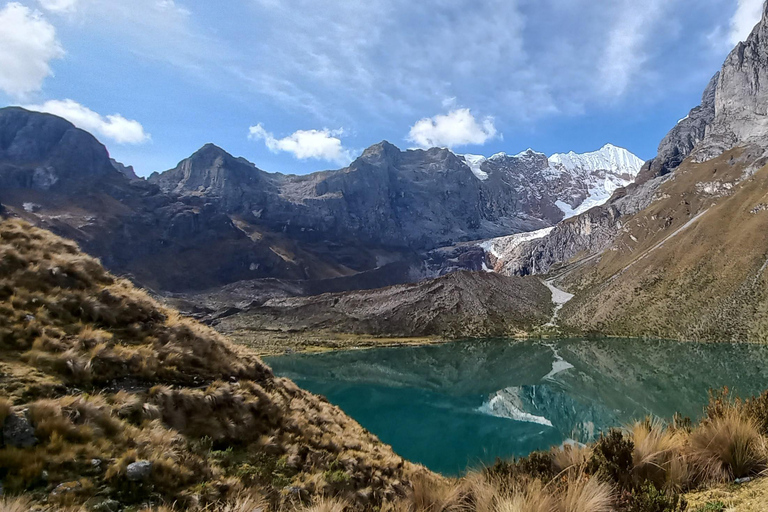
{"x": 297, "y": 86}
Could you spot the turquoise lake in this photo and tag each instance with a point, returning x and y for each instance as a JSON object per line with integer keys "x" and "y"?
{"x": 464, "y": 404}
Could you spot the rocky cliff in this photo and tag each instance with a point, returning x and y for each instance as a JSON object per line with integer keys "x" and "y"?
{"x": 732, "y": 114}
{"x": 681, "y": 253}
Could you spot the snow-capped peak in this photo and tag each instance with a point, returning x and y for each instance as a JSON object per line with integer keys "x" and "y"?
{"x": 608, "y": 158}
{"x": 528, "y": 153}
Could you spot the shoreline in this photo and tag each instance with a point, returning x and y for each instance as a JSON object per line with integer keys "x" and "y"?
{"x": 277, "y": 343}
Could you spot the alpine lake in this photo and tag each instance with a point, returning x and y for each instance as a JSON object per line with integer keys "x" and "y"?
{"x": 464, "y": 404}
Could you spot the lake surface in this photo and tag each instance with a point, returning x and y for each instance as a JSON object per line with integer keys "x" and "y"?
{"x": 464, "y": 404}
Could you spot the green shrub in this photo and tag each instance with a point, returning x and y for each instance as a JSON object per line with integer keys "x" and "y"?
{"x": 612, "y": 459}
{"x": 712, "y": 506}
{"x": 649, "y": 499}
{"x": 536, "y": 466}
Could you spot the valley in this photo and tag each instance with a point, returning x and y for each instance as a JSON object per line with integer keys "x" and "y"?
{"x": 418, "y": 330}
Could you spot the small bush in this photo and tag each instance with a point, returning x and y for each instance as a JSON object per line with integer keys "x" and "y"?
{"x": 612, "y": 459}
{"x": 537, "y": 466}
{"x": 650, "y": 499}
{"x": 712, "y": 506}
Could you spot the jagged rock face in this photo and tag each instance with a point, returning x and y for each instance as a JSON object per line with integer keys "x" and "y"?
{"x": 62, "y": 178}
{"x": 683, "y": 138}
{"x": 44, "y": 152}
{"x": 412, "y": 199}
{"x": 590, "y": 232}
{"x": 126, "y": 170}
{"x": 417, "y": 200}
{"x": 741, "y": 98}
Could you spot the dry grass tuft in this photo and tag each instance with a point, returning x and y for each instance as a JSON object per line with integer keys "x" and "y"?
{"x": 570, "y": 458}
{"x": 319, "y": 505}
{"x": 727, "y": 447}
{"x": 431, "y": 493}
{"x": 582, "y": 494}
{"x": 111, "y": 377}
{"x": 528, "y": 497}
{"x": 658, "y": 455}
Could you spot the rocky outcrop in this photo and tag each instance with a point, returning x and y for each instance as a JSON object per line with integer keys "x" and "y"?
{"x": 418, "y": 199}
{"x": 733, "y": 112}
{"x": 126, "y": 170}
{"x": 683, "y": 138}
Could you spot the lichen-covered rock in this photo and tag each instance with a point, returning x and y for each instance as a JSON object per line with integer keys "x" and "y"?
{"x": 18, "y": 432}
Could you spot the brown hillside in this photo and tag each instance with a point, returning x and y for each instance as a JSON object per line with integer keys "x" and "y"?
{"x": 104, "y": 395}
{"x": 691, "y": 265}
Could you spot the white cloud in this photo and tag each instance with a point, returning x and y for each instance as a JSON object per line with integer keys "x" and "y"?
{"x": 305, "y": 144}
{"x": 113, "y": 127}
{"x": 59, "y": 5}
{"x": 457, "y": 128}
{"x": 748, "y": 13}
{"x": 625, "y": 53}
{"x": 27, "y": 46}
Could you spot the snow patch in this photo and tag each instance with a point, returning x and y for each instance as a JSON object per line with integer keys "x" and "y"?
{"x": 474, "y": 162}
{"x": 497, "y": 246}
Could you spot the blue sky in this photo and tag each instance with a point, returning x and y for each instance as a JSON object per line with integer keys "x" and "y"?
{"x": 304, "y": 85}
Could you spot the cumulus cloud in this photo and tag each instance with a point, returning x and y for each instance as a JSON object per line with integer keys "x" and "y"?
{"x": 27, "y": 46}
{"x": 113, "y": 127}
{"x": 748, "y": 13}
{"x": 306, "y": 144}
{"x": 59, "y": 5}
{"x": 457, "y": 128}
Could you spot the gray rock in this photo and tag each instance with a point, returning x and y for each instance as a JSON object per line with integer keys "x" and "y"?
{"x": 139, "y": 470}
{"x": 125, "y": 170}
{"x": 66, "y": 488}
{"x": 741, "y": 97}
{"x": 18, "y": 432}
{"x": 107, "y": 506}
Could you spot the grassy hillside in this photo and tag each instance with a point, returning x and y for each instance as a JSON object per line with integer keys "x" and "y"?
{"x": 105, "y": 395}
{"x": 691, "y": 266}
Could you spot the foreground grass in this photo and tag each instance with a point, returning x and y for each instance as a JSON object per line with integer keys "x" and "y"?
{"x": 108, "y": 402}
{"x": 105, "y": 377}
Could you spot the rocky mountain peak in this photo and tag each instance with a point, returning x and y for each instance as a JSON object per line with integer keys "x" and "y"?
{"x": 384, "y": 150}
{"x": 210, "y": 170}
{"x": 44, "y": 151}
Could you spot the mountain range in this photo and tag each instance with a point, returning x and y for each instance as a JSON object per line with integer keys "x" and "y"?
{"x": 215, "y": 219}
{"x": 673, "y": 247}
